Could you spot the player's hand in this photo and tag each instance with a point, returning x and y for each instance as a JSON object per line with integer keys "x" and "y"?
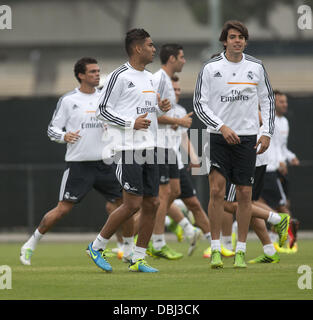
{"x": 295, "y": 162}
{"x": 229, "y": 135}
{"x": 72, "y": 137}
{"x": 174, "y": 126}
{"x": 264, "y": 141}
{"x": 186, "y": 121}
{"x": 142, "y": 123}
{"x": 165, "y": 104}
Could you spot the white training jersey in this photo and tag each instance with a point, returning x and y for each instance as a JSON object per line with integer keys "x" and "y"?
{"x": 274, "y": 152}
{"x": 261, "y": 159}
{"x": 179, "y": 112}
{"x": 282, "y": 128}
{"x": 163, "y": 85}
{"x": 127, "y": 94}
{"x": 76, "y": 111}
{"x": 229, "y": 93}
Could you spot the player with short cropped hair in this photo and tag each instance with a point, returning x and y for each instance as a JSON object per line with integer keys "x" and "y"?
{"x": 129, "y": 106}
{"x": 172, "y": 61}
{"x": 228, "y": 91}
{"x": 276, "y": 190}
{"x": 83, "y": 135}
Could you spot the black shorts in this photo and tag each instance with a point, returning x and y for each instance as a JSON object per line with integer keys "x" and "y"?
{"x": 273, "y": 192}
{"x": 168, "y": 166}
{"x": 139, "y": 177}
{"x": 80, "y": 177}
{"x": 235, "y": 162}
{"x": 186, "y": 184}
{"x": 257, "y": 186}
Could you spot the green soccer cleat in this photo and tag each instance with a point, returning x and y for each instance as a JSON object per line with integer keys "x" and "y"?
{"x": 150, "y": 250}
{"x": 25, "y": 256}
{"x": 265, "y": 258}
{"x": 141, "y": 266}
{"x": 282, "y": 228}
{"x": 216, "y": 260}
{"x": 207, "y": 253}
{"x": 224, "y": 251}
{"x": 177, "y": 229}
{"x": 240, "y": 260}
{"x": 165, "y": 252}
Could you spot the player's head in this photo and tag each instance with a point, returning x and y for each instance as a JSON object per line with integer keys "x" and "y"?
{"x": 281, "y": 102}
{"x": 86, "y": 70}
{"x": 138, "y": 42}
{"x": 234, "y": 36}
{"x": 173, "y": 54}
{"x": 176, "y": 86}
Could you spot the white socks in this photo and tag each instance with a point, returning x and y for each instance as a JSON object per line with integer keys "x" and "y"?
{"x": 208, "y": 236}
{"x": 227, "y": 242}
{"x": 241, "y": 246}
{"x": 158, "y": 241}
{"x": 274, "y": 218}
{"x": 216, "y": 245}
{"x": 269, "y": 249}
{"x": 139, "y": 253}
{"x": 100, "y": 243}
{"x": 128, "y": 245}
{"x": 33, "y": 240}
{"x": 187, "y": 227}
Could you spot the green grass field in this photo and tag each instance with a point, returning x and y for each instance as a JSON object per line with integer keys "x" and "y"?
{"x": 63, "y": 271}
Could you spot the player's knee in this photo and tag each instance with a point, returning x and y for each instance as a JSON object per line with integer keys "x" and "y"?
{"x": 244, "y": 193}
{"x": 64, "y": 208}
{"x": 175, "y": 193}
{"x": 217, "y": 193}
{"x": 153, "y": 204}
{"x": 193, "y": 204}
{"x": 133, "y": 207}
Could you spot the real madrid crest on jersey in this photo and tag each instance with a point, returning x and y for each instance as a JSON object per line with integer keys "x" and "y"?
{"x": 250, "y": 75}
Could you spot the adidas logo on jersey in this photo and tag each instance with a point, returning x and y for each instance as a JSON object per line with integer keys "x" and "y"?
{"x": 131, "y": 85}
{"x": 75, "y": 106}
{"x": 217, "y": 74}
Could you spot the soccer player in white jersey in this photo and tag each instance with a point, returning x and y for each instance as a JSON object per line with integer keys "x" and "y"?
{"x": 276, "y": 178}
{"x": 83, "y": 134}
{"x": 228, "y": 91}
{"x": 172, "y": 60}
{"x": 130, "y": 107}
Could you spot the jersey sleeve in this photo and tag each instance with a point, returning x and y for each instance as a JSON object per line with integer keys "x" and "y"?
{"x": 55, "y": 129}
{"x": 267, "y": 103}
{"x": 108, "y": 103}
{"x": 201, "y": 101}
{"x": 289, "y": 155}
